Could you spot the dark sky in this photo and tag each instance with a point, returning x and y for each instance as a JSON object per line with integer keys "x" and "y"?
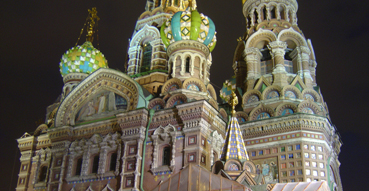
{"x": 35, "y": 34}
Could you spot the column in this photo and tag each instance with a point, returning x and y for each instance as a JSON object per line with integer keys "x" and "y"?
{"x": 277, "y": 50}
{"x": 305, "y": 57}
{"x": 252, "y": 58}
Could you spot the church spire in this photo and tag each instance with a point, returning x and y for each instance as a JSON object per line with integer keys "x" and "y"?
{"x": 234, "y": 147}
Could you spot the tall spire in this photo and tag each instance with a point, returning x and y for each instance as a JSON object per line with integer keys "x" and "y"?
{"x": 234, "y": 147}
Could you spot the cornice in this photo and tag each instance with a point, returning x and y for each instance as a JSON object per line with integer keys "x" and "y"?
{"x": 188, "y": 44}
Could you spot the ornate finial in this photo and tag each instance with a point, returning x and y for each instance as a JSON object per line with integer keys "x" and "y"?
{"x": 93, "y": 18}
{"x": 192, "y": 4}
{"x": 233, "y": 101}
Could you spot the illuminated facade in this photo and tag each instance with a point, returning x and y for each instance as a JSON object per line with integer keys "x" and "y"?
{"x": 160, "y": 125}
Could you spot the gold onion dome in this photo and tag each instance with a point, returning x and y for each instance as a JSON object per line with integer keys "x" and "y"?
{"x": 85, "y": 58}
{"x": 82, "y": 59}
{"x": 189, "y": 25}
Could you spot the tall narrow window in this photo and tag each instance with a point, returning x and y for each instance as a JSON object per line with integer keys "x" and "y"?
{"x": 43, "y": 173}
{"x": 264, "y": 14}
{"x": 113, "y": 161}
{"x": 146, "y": 57}
{"x": 166, "y": 155}
{"x": 188, "y": 64}
{"x": 176, "y": 2}
{"x": 95, "y": 164}
{"x": 79, "y": 166}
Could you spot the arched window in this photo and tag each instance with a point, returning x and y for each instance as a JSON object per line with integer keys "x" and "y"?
{"x": 79, "y": 166}
{"x": 113, "y": 161}
{"x": 43, "y": 173}
{"x": 166, "y": 155}
{"x": 188, "y": 64}
{"x": 95, "y": 164}
{"x": 146, "y": 57}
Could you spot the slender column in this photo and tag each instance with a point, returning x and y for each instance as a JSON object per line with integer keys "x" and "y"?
{"x": 277, "y": 49}
{"x": 259, "y": 15}
{"x": 252, "y": 58}
{"x": 278, "y": 12}
{"x": 183, "y": 65}
{"x": 173, "y": 161}
{"x": 252, "y": 17}
{"x": 268, "y": 13}
{"x": 174, "y": 68}
{"x": 305, "y": 52}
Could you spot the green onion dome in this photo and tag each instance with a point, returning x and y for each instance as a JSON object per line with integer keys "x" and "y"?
{"x": 189, "y": 25}
{"x": 82, "y": 59}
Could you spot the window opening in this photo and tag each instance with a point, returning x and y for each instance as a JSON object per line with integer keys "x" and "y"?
{"x": 166, "y": 156}
{"x": 43, "y": 173}
{"x": 188, "y": 64}
{"x": 146, "y": 57}
{"x": 95, "y": 164}
{"x": 113, "y": 161}
{"x": 79, "y": 166}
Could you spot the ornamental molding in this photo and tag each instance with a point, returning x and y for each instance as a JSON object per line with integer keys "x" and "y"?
{"x": 188, "y": 44}
{"x": 293, "y": 122}
{"x": 142, "y": 34}
{"x": 74, "y": 77}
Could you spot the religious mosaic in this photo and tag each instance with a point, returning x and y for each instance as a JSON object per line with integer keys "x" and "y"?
{"x": 252, "y": 99}
{"x": 263, "y": 115}
{"x": 290, "y": 94}
{"x": 267, "y": 167}
{"x": 101, "y": 105}
{"x": 272, "y": 94}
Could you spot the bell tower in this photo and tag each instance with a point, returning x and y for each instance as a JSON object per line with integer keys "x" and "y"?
{"x": 285, "y": 120}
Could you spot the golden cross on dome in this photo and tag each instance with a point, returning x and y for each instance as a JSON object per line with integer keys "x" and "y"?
{"x": 93, "y": 18}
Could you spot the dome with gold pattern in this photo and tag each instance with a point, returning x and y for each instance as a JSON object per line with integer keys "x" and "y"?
{"x": 189, "y": 25}
{"x": 82, "y": 59}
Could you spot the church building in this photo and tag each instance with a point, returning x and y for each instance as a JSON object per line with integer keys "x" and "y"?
{"x": 161, "y": 125}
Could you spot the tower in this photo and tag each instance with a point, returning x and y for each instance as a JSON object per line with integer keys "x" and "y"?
{"x": 286, "y": 121}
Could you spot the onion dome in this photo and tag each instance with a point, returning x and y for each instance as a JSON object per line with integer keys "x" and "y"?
{"x": 189, "y": 25}
{"x": 82, "y": 59}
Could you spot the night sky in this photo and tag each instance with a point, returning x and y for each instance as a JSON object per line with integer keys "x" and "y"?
{"x": 35, "y": 34}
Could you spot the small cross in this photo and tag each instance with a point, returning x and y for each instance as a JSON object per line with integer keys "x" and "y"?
{"x": 156, "y": 178}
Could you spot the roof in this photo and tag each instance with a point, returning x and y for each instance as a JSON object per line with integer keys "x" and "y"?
{"x": 306, "y": 186}
{"x": 194, "y": 177}
{"x": 234, "y": 147}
